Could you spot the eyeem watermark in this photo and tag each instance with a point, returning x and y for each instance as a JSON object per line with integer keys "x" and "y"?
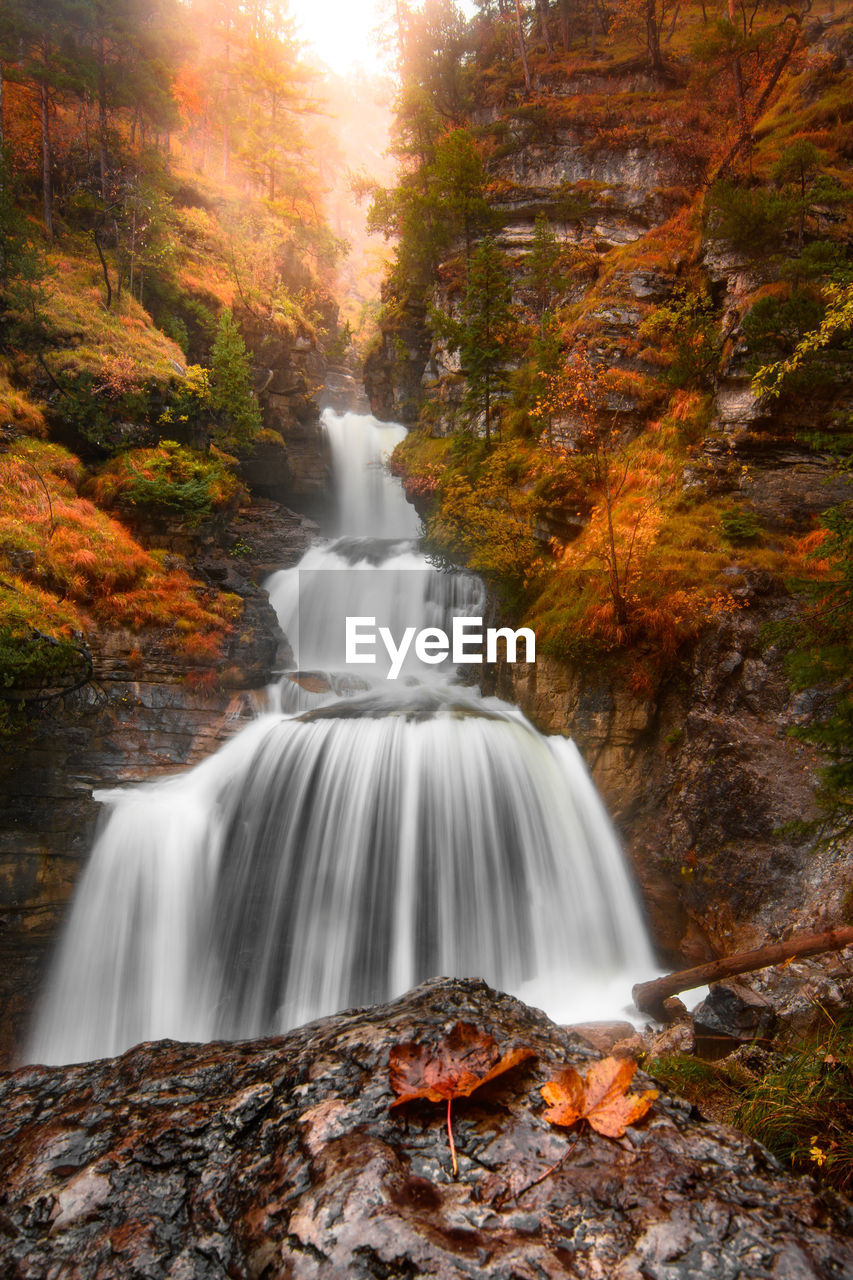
{"x": 432, "y": 645}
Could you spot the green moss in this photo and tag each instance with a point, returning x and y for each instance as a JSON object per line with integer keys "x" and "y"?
{"x": 31, "y": 662}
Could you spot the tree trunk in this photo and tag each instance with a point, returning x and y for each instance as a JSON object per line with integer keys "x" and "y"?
{"x": 565, "y": 22}
{"x": 132, "y": 250}
{"x": 544, "y": 8}
{"x": 47, "y": 159}
{"x": 522, "y": 48}
{"x": 226, "y": 136}
{"x": 102, "y": 114}
{"x": 620, "y": 604}
{"x": 272, "y": 155}
{"x": 97, "y": 239}
{"x": 119, "y": 260}
{"x": 653, "y": 37}
{"x": 649, "y": 996}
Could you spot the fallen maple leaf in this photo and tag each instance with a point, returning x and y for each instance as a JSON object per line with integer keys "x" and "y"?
{"x": 601, "y": 1098}
{"x": 454, "y": 1067}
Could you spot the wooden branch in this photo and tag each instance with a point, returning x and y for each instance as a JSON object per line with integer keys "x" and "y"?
{"x": 649, "y": 996}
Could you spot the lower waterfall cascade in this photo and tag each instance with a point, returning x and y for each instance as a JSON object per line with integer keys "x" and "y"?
{"x": 359, "y": 837}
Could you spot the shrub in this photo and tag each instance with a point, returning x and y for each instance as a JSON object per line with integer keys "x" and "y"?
{"x": 750, "y": 218}
{"x": 740, "y": 527}
{"x": 775, "y": 325}
{"x": 170, "y": 478}
{"x": 31, "y": 660}
{"x": 797, "y": 1101}
{"x": 686, "y": 329}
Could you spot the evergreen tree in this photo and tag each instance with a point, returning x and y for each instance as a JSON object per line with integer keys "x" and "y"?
{"x": 487, "y": 327}
{"x": 457, "y": 190}
{"x": 231, "y": 394}
{"x": 544, "y": 277}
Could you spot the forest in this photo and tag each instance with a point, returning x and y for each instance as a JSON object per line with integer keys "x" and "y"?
{"x": 159, "y": 203}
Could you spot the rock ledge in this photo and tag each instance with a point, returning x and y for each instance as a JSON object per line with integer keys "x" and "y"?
{"x": 279, "y": 1158}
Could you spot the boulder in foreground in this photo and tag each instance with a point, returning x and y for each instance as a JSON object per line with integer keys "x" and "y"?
{"x": 280, "y": 1158}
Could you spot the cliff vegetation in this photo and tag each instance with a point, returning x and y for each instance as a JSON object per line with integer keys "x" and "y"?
{"x": 166, "y": 291}
{"x": 619, "y": 320}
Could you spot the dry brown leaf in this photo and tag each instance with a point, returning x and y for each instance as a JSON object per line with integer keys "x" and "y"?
{"x": 601, "y": 1098}
{"x": 465, "y": 1060}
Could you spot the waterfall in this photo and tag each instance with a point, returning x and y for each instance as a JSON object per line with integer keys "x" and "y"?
{"x": 360, "y": 837}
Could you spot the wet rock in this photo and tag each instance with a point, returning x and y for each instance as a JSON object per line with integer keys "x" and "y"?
{"x": 732, "y": 1014}
{"x": 602, "y": 1035}
{"x": 265, "y": 468}
{"x": 280, "y": 1158}
{"x": 394, "y": 368}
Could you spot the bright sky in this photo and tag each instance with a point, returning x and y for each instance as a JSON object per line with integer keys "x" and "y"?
{"x": 341, "y": 32}
{"x": 344, "y": 32}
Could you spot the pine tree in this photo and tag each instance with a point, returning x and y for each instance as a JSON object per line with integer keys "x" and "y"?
{"x": 487, "y": 327}
{"x": 231, "y": 394}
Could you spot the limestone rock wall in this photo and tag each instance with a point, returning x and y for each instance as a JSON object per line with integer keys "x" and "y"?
{"x": 704, "y": 782}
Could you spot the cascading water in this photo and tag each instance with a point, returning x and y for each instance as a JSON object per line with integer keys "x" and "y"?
{"x": 363, "y": 837}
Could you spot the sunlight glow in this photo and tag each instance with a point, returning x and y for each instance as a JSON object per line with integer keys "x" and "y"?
{"x": 342, "y": 33}
{"x": 345, "y": 34}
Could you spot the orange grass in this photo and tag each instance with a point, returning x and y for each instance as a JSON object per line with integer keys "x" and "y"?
{"x": 69, "y": 567}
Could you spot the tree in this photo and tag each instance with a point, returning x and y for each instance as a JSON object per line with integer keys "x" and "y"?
{"x": 272, "y": 84}
{"x": 487, "y": 327}
{"x": 22, "y": 267}
{"x": 231, "y": 393}
{"x": 798, "y": 164}
{"x": 522, "y": 48}
{"x": 741, "y": 65}
{"x": 648, "y": 19}
{"x": 545, "y": 282}
{"x": 579, "y": 392}
{"x": 544, "y": 276}
{"x": 48, "y": 35}
{"x": 457, "y": 190}
{"x": 685, "y": 329}
{"x": 837, "y": 322}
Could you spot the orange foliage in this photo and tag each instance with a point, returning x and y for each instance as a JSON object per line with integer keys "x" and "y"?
{"x": 72, "y": 566}
{"x": 600, "y": 1098}
{"x": 461, "y": 1063}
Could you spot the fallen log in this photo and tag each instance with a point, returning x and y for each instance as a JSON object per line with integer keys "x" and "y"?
{"x": 649, "y": 996}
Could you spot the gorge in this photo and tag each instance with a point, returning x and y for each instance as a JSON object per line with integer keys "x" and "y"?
{"x": 598, "y": 292}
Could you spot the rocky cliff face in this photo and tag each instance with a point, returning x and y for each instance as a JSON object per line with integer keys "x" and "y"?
{"x": 705, "y": 785}
{"x": 599, "y": 196}
{"x": 296, "y": 472}
{"x": 395, "y": 369}
{"x": 701, "y": 773}
{"x": 280, "y": 1157}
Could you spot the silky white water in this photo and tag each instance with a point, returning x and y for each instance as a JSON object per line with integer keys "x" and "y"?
{"x": 365, "y": 837}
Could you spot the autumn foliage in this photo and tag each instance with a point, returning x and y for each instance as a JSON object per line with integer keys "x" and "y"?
{"x": 66, "y": 567}
{"x": 464, "y": 1061}
{"x": 467, "y": 1058}
{"x": 600, "y": 1098}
